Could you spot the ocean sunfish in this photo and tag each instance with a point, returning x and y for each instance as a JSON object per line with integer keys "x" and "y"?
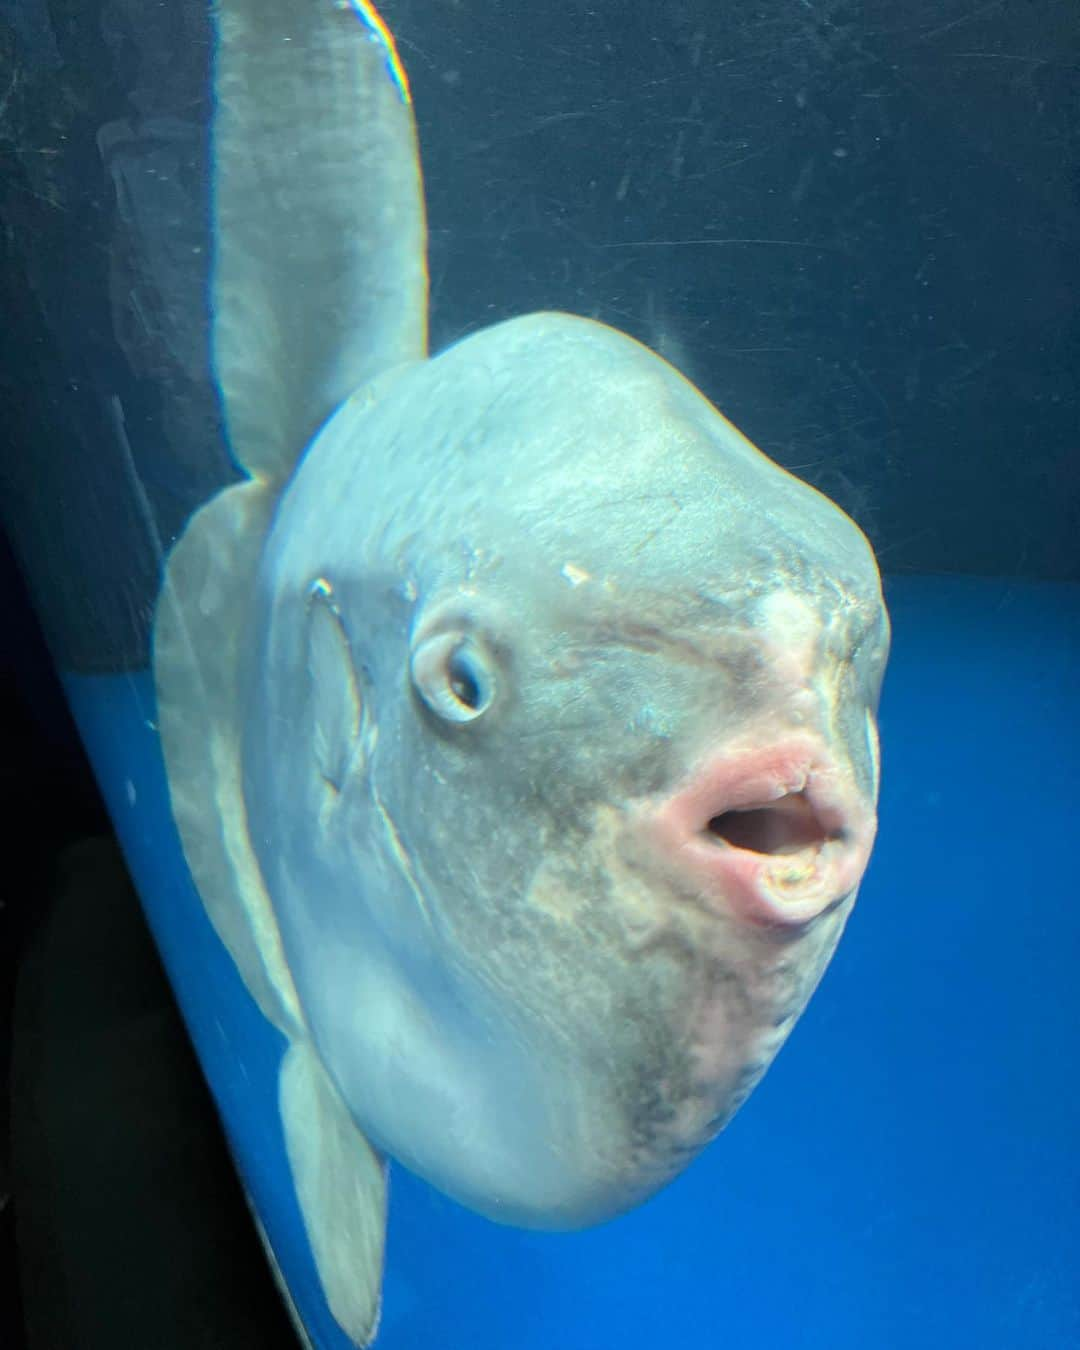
{"x": 519, "y": 714}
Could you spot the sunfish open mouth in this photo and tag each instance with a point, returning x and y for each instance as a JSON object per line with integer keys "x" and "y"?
{"x": 789, "y": 825}
{"x": 774, "y": 835}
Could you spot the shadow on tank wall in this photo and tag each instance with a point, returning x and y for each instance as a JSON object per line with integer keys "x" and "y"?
{"x": 853, "y": 226}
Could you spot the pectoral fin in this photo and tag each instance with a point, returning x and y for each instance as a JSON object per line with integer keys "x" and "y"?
{"x": 199, "y": 636}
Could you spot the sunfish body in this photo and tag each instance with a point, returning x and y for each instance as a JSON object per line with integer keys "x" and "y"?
{"x": 522, "y": 743}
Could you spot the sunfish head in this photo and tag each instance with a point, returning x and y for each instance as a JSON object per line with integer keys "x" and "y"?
{"x": 560, "y": 762}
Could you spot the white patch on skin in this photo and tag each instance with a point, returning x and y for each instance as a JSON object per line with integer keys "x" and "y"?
{"x": 641, "y": 905}
{"x": 793, "y": 629}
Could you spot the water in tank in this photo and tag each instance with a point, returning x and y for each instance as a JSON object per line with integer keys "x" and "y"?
{"x": 491, "y": 731}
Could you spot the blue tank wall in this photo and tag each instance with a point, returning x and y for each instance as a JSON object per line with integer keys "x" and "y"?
{"x": 907, "y": 1175}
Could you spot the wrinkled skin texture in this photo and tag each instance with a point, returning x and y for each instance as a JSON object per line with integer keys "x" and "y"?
{"x": 531, "y": 615}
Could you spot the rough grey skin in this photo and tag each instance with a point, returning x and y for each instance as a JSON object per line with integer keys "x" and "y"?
{"x": 519, "y": 726}
{"x": 544, "y": 592}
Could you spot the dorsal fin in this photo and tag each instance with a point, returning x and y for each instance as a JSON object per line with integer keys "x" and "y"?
{"x": 319, "y": 274}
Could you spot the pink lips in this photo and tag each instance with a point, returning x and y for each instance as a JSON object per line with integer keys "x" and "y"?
{"x": 775, "y": 835}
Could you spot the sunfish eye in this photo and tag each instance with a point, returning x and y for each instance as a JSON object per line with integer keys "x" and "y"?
{"x": 453, "y": 676}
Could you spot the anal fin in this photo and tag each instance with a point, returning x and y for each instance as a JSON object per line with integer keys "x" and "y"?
{"x": 341, "y": 1187}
